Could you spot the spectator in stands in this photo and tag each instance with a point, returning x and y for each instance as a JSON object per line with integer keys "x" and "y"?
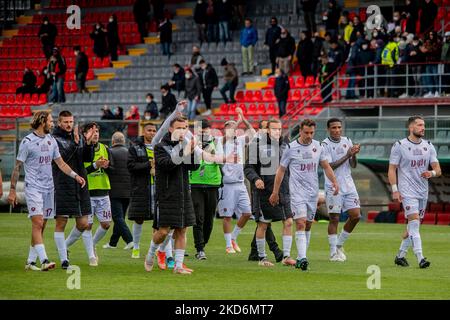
{"x": 100, "y": 43}
{"x": 195, "y": 59}
{"x": 133, "y": 128}
{"x": 304, "y": 50}
{"x": 141, "y": 10}
{"x": 396, "y": 22}
{"x": 158, "y": 9}
{"x": 47, "y": 34}
{"x": 28, "y": 82}
{"x": 348, "y": 31}
{"x": 351, "y": 70}
{"x": 81, "y": 69}
{"x": 326, "y": 76}
{"x": 165, "y": 36}
{"x": 147, "y": 115}
{"x": 272, "y": 35}
{"x": 389, "y": 59}
{"x": 107, "y": 128}
{"x": 177, "y": 82}
{"x": 309, "y": 12}
{"x": 365, "y": 57}
{"x": 224, "y": 15}
{"x": 358, "y": 30}
{"x": 231, "y": 78}
{"x": 281, "y": 90}
{"x": 445, "y": 58}
{"x": 212, "y": 19}
{"x": 193, "y": 92}
{"x": 343, "y": 23}
{"x": 200, "y": 19}
{"x": 209, "y": 81}
{"x": 57, "y": 68}
{"x": 335, "y": 54}
{"x": 151, "y": 107}
{"x": 113, "y": 37}
{"x": 428, "y": 15}
{"x": 432, "y": 49}
{"x": 169, "y": 102}
{"x": 416, "y": 58}
{"x": 107, "y": 113}
{"x": 239, "y": 8}
{"x": 331, "y": 18}
{"x": 248, "y": 39}
{"x": 317, "y": 52}
{"x": 325, "y": 43}
{"x": 412, "y": 14}
{"x": 285, "y": 51}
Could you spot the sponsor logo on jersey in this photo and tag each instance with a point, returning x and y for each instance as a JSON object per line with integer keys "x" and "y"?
{"x": 307, "y": 155}
{"x": 417, "y": 152}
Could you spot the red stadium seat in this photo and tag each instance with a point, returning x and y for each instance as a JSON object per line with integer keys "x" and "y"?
{"x": 223, "y": 110}
{"x": 257, "y": 96}
{"x": 272, "y": 109}
{"x": 371, "y": 215}
{"x": 436, "y": 207}
{"x": 394, "y": 206}
{"x": 42, "y": 98}
{"x": 271, "y": 82}
{"x": 248, "y": 96}
{"x": 401, "y": 217}
{"x": 443, "y": 219}
{"x": 291, "y": 82}
{"x": 232, "y": 109}
{"x": 269, "y": 96}
{"x": 299, "y": 82}
{"x": 252, "y": 109}
{"x": 239, "y": 96}
{"x": 429, "y": 218}
{"x": 309, "y": 81}
{"x": 261, "y": 108}
{"x": 27, "y": 111}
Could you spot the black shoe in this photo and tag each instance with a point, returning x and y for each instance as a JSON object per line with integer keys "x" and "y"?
{"x": 278, "y": 255}
{"x": 424, "y": 263}
{"x": 253, "y": 256}
{"x": 302, "y": 264}
{"x": 65, "y": 265}
{"x": 244, "y": 73}
{"x": 186, "y": 254}
{"x": 402, "y": 262}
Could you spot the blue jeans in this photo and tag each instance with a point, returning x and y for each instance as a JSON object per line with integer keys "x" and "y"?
{"x": 165, "y": 48}
{"x": 282, "y": 107}
{"x": 351, "y": 86}
{"x": 229, "y": 86}
{"x": 191, "y": 109}
{"x": 431, "y": 80}
{"x": 57, "y": 91}
{"x": 224, "y": 31}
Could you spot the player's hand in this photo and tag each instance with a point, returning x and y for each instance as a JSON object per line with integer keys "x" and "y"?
{"x": 80, "y": 181}
{"x": 76, "y": 134}
{"x": 356, "y": 148}
{"x": 240, "y": 114}
{"x": 259, "y": 184}
{"x": 102, "y": 163}
{"x": 12, "y": 198}
{"x": 335, "y": 188}
{"x": 274, "y": 199}
{"x": 426, "y": 174}
{"x": 396, "y": 196}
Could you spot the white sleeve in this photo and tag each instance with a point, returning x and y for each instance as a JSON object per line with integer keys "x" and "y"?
{"x": 23, "y": 150}
{"x": 165, "y": 126}
{"x": 433, "y": 154}
{"x": 324, "y": 155}
{"x": 286, "y": 158}
{"x": 56, "y": 153}
{"x": 395, "y": 154}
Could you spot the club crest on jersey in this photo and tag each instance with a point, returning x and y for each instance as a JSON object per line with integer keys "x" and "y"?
{"x": 345, "y": 146}
{"x": 224, "y": 209}
{"x": 49, "y": 143}
{"x": 330, "y": 207}
{"x": 425, "y": 148}
{"x": 408, "y": 207}
{"x": 33, "y": 209}
{"x": 314, "y": 149}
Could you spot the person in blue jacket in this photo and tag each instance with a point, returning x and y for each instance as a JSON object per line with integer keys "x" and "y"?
{"x": 249, "y": 37}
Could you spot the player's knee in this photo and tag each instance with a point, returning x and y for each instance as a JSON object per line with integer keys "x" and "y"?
{"x": 300, "y": 225}
{"x": 38, "y": 224}
{"x": 288, "y": 224}
{"x": 83, "y": 225}
{"x": 105, "y": 225}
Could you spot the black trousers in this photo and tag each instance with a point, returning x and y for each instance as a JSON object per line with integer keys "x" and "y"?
{"x": 81, "y": 82}
{"x": 310, "y": 20}
{"x": 271, "y": 241}
{"x": 205, "y": 203}
{"x": 119, "y": 208}
{"x": 273, "y": 57}
{"x": 207, "y": 94}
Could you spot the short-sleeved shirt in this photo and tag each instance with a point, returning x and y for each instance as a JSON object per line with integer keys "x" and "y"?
{"x": 303, "y": 161}
{"x": 234, "y": 172}
{"x": 335, "y": 150}
{"x": 37, "y": 154}
{"x": 412, "y": 160}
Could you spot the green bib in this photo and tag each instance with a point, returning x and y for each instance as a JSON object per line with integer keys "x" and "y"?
{"x": 98, "y": 180}
{"x": 208, "y": 173}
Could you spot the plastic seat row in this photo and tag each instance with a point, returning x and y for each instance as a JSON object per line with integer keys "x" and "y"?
{"x": 26, "y": 99}
{"x": 15, "y": 112}
{"x": 297, "y": 82}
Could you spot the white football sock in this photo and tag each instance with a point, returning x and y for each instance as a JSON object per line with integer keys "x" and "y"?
{"x": 261, "y": 245}
{"x": 74, "y": 235}
{"x": 332, "y": 240}
{"x": 228, "y": 240}
{"x": 235, "y": 233}
{"x": 99, "y": 234}
{"x": 179, "y": 257}
{"x": 88, "y": 243}
{"x": 61, "y": 245}
{"x": 152, "y": 250}
{"x": 137, "y": 232}
{"x": 287, "y": 245}
{"x": 40, "y": 249}
{"x": 300, "y": 241}
{"x": 32, "y": 255}
{"x": 166, "y": 246}
{"x": 308, "y": 238}
{"x": 343, "y": 236}
{"x": 416, "y": 241}
{"x": 406, "y": 243}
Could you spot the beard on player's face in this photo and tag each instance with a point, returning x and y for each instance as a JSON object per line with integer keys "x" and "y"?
{"x": 419, "y": 133}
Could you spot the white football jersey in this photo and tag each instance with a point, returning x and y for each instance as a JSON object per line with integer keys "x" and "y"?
{"x": 234, "y": 172}
{"x": 412, "y": 160}
{"x": 303, "y": 161}
{"x": 335, "y": 150}
{"x": 37, "y": 154}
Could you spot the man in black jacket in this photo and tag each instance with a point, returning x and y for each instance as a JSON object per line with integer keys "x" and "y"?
{"x": 429, "y": 13}
{"x": 210, "y": 81}
{"x": 272, "y": 35}
{"x": 141, "y": 8}
{"x": 47, "y": 34}
{"x": 200, "y": 19}
{"x": 57, "y": 68}
{"x": 81, "y": 69}
{"x": 165, "y": 36}
{"x": 174, "y": 158}
{"x": 309, "y": 12}
{"x": 120, "y": 192}
{"x": 169, "y": 102}
{"x": 281, "y": 90}
{"x": 264, "y": 156}
{"x": 285, "y": 50}
{"x": 70, "y": 199}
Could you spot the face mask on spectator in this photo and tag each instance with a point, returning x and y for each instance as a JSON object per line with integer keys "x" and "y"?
{"x": 45, "y": 22}
{"x": 188, "y": 75}
{"x": 375, "y": 34}
{"x": 364, "y": 46}
{"x": 111, "y": 20}
{"x": 148, "y": 100}
{"x": 147, "y": 117}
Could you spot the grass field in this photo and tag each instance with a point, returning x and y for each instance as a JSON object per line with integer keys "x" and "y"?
{"x": 232, "y": 277}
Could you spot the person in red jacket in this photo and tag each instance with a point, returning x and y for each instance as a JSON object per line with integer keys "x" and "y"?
{"x": 133, "y": 128}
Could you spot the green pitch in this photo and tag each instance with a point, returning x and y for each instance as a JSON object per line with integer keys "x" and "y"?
{"x": 231, "y": 277}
